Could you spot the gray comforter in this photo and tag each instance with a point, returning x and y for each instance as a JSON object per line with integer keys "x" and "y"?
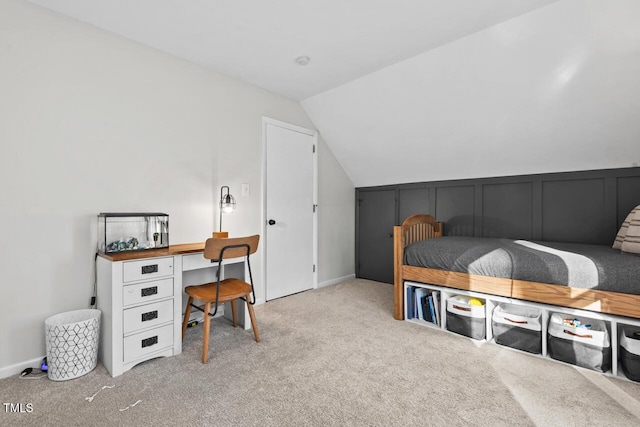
{"x": 572, "y": 264}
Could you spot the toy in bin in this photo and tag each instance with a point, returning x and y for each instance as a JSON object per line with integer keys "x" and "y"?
{"x": 575, "y": 323}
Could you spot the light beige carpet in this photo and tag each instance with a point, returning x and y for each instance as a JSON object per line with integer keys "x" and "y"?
{"x": 333, "y": 356}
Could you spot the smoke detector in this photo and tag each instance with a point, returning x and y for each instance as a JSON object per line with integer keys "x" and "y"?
{"x": 302, "y": 60}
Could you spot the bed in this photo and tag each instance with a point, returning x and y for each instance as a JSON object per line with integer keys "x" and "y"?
{"x": 588, "y": 277}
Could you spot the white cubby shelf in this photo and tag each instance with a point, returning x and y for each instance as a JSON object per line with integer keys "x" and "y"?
{"x": 615, "y": 325}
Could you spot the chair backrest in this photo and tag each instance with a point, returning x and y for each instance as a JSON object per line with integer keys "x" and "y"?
{"x": 236, "y": 247}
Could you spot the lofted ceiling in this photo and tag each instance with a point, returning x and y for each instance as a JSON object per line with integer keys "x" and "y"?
{"x": 419, "y": 90}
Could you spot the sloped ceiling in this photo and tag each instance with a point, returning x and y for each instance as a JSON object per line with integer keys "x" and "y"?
{"x": 416, "y": 90}
{"x": 554, "y": 90}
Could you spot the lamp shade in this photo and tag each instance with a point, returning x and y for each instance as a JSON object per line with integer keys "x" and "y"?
{"x": 227, "y": 203}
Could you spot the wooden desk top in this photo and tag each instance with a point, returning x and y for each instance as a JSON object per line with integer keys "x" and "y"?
{"x": 184, "y": 248}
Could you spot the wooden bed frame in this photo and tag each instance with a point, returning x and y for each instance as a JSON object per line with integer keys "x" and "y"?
{"x": 421, "y": 227}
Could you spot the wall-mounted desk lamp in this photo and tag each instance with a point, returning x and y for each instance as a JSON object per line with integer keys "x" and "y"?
{"x": 227, "y": 205}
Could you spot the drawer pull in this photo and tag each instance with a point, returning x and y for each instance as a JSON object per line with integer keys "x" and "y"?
{"x": 145, "y": 292}
{"x": 149, "y": 315}
{"x": 147, "y": 269}
{"x": 149, "y": 341}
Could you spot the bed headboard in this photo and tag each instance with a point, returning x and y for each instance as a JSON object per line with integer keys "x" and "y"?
{"x": 413, "y": 229}
{"x": 419, "y": 227}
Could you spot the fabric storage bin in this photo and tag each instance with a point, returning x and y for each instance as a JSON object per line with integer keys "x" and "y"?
{"x": 587, "y": 347}
{"x": 630, "y": 355}
{"x": 465, "y": 318}
{"x": 518, "y": 326}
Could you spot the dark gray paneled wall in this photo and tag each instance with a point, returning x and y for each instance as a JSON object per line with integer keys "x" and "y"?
{"x": 580, "y": 207}
{"x": 626, "y": 195}
{"x": 507, "y": 209}
{"x": 586, "y": 206}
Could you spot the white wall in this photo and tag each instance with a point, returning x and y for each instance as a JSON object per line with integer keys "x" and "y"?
{"x": 92, "y": 122}
{"x": 552, "y": 90}
{"x": 336, "y": 219}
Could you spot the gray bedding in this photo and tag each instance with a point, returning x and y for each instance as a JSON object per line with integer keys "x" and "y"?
{"x": 572, "y": 264}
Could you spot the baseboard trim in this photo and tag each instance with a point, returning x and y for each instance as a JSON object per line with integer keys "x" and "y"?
{"x": 9, "y": 371}
{"x": 336, "y": 281}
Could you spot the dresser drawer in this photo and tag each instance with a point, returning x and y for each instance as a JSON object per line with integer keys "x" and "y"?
{"x": 139, "y": 345}
{"x": 147, "y": 316}
{"x": 147, "y": 269}
{"x": 147, "y": 291}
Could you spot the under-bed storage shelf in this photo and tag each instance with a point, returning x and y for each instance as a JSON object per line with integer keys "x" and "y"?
{"x": 597, "y": 346}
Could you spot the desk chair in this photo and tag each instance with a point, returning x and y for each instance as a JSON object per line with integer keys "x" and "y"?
{"x": 221, "y": 291}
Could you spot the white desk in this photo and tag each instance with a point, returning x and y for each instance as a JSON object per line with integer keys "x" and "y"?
{"x": 140, "y": 296}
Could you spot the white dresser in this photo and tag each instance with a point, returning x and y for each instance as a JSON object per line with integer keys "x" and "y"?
{"x": 140, "y": 296}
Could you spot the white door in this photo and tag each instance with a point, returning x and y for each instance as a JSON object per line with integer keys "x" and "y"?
{"x": 290, "y": 183}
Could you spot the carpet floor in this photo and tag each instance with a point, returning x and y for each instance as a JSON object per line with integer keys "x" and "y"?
{"x": 332, "y": 356}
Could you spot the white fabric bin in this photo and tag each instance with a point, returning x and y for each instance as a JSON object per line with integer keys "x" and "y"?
{"x": 466, "y": 319}
{"x": 72, "y": 343}
{"x": 518, "y": 326}
{"x": 586, "y": 347}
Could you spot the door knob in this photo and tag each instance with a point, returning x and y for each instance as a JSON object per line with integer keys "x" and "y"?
{"x": 272, "y": 222}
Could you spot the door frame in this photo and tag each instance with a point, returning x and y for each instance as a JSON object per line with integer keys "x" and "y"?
{"x": 263, "y": 215}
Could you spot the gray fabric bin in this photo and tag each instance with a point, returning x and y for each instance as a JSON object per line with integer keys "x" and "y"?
{"x": 630, "y": 356}
{"x": 518, "y": 327}
{"x": 466, "y": 319}
{"x": 585, "y": 347}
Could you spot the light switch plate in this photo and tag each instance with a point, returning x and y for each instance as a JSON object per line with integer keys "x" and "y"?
{"x": 246, "y": 191}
